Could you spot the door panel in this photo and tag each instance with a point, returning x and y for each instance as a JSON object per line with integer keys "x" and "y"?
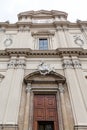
{"x": 50, "y": 114}
{"x": 50, "y": 102}
{"x": 45, "y": 110}
{"x": 39, "y": 114}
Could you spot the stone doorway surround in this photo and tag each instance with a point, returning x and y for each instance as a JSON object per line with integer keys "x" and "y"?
{"x": 52, "y": 83}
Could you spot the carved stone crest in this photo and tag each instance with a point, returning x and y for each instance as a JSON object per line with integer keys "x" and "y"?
{"x": 44, "y": 69}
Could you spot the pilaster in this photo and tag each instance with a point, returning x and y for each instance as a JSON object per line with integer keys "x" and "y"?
{"x": 61, "y": 37}
{"x": 27, "y": 108}
{"x": 76, "y": 99}
{"x": 69, "y": 41}
{"x": 10, "y": 92}
{"x": 81, "y": 79}
{"x": 64, "y": 113}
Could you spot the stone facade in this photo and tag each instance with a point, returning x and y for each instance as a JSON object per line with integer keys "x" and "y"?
{"x": 27, "y": 70}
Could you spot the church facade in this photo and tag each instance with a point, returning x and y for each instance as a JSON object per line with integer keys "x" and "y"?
{"x": 43, "y": 72}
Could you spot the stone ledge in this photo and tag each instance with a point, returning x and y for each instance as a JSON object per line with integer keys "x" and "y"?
{"x": 80, "y": 127}
{"x": 8, "y": 127}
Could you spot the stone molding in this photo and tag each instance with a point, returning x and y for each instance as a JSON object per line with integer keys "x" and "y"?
{"x": 16, "y": 64}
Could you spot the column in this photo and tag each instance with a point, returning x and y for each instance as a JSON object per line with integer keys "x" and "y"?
{"x": 64, "y": 112}
{"x": 27, "y": 108}
{"x": 14, "y": 97}
{"x": 59, "y": 110}
{"x": 61, "y": 37}
{"x": 76, "y": 99}
{"x": 81, "y": 79}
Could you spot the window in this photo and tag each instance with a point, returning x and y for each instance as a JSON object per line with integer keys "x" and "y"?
{"x": 43, "y": 44}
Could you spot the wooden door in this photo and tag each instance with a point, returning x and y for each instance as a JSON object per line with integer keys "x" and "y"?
{"x": 45, "y": 110}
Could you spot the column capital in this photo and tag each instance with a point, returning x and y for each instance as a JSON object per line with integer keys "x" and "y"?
{"x": 67, "y": 64}
{"x": 65, "y": 28}
{"x": 16, "y": 63}
{"x": 61, "y": 88}
{"x": 28, "y": 88}
{"x": 59, "y": 28}
{"x": 76, "y": 63}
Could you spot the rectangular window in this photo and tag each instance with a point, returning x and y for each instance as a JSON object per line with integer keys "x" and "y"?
{"x": 43, "y": 44}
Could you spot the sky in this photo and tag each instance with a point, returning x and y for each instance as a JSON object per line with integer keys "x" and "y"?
{"x": 76, "y": 9}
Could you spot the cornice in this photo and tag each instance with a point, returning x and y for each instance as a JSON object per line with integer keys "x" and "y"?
{"x": 7, "y": 25}
{"x": 60, "y": 52}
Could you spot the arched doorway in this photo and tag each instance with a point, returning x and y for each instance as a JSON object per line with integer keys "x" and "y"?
{"x": 44, "y": 100}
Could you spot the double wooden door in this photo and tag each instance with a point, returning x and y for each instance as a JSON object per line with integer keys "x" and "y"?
{"x": 45, "y": 112}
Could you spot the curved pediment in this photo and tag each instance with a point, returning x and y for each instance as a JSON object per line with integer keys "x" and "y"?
{"x": 52, "y": 77}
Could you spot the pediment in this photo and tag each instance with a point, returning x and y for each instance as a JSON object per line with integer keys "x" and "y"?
{"x": 52, "y": 77}
{"x": 43, "y": 13}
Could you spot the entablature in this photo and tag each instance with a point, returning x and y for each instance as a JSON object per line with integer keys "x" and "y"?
{"x": 60, "y": 52}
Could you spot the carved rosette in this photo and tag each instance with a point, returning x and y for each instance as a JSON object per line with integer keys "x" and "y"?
{"x": 16, "y": 64}
{"x": 67, "y": 64}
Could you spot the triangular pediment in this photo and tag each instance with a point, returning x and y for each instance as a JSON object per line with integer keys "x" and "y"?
{"x": 51, "y": 77}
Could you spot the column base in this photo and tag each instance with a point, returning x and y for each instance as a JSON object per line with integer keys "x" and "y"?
{"x": 8, "y": 127}
{"x": 80, "y": 127}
